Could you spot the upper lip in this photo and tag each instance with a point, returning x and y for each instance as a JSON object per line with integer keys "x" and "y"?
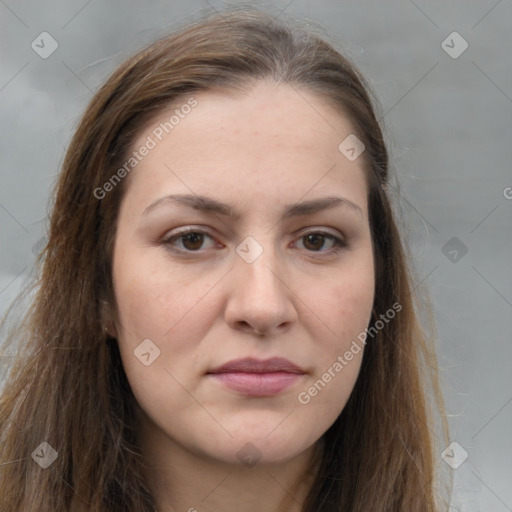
{"x": 252, "y": 365}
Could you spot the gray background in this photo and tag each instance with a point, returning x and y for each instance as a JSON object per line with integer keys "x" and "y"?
{"x": 448, "y": 124}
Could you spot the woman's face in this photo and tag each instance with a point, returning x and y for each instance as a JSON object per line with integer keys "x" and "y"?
{"x": 271, "y": 269}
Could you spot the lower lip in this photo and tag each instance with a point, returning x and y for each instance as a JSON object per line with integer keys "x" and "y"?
{"x": 257, "y": 384}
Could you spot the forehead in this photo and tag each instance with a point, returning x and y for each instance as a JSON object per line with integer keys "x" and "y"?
{"x": 276, "y": 138}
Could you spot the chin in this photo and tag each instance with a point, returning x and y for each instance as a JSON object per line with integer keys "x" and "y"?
{"x": 253, "y": 446}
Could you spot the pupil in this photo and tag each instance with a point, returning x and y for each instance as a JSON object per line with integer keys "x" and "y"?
{"x": 315, "y": 238}
{"x": 196, "y": 239}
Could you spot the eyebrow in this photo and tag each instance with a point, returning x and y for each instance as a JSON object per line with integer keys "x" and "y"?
{"x": 210, "y": 205}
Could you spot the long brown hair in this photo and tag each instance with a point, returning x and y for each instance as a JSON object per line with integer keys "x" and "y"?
{"x": 67, "y": 386}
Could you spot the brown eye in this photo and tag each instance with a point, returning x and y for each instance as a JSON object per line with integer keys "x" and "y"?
{"x": 315, "y": 242}
{"x": 192, "y": 240}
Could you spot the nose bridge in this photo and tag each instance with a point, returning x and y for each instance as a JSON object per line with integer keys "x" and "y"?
{"x": 259, "y": 298}
{"x": 258, "y": 264}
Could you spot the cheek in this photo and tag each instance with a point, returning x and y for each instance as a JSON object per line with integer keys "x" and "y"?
{"x": 153, "y": 305}
{"x": 353, "y": 297}
{"x": 354, "y": 307}
{"x": 161, "y": 305}
{"x": 150, "y": 296}
{"x": 143, "y": 302}
{"x": 348, "y": 309}
{"x": 339, "y": 357}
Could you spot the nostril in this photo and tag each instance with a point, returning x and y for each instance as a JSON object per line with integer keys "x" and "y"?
{"x": 243, "y": 324}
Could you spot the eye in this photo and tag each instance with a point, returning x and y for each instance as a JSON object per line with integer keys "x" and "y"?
{"x": 315, "y": 240}
{"x": 191, "y": 240}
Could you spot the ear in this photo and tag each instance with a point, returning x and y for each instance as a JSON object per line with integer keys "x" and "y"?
{"x": 107, "y": 321}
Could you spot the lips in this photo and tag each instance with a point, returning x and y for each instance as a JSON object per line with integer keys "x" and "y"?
{"x": 258, "y": 378}
{"x": 250, "y": 365}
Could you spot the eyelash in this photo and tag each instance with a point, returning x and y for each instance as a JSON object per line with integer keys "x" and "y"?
{"x": 339, "y": 244}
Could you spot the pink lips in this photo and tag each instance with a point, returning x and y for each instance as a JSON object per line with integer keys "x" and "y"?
{"x": 255, "y": 377}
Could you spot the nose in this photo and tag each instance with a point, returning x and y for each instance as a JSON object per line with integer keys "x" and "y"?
{"x": 261, "y": 300}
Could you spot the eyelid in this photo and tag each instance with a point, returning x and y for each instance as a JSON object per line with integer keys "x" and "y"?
{"x": 319, "y": 229}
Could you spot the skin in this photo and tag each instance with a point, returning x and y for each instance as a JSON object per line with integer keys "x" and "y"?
{"x": 299, "y": 299}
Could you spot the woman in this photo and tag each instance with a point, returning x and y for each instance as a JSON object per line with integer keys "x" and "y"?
{"x": 224, "y": 318}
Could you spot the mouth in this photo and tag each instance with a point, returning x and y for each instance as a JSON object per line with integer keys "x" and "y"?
{"x": 258, "y": 378}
